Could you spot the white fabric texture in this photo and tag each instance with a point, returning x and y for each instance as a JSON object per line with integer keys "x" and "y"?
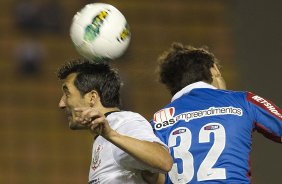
{"x": 110, "y": 164}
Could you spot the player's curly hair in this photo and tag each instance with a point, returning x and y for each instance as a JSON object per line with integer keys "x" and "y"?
{"x": 181, "y": 65}
{"x": 94, "y": 76}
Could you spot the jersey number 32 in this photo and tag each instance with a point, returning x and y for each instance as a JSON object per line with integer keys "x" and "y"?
{"x": 181, "y": 151}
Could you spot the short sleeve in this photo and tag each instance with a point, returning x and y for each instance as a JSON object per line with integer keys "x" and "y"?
{"x": 267, "y": 117}
{"x": 139, "y": 128}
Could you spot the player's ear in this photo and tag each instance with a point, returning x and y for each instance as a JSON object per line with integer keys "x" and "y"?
{"x": 215, "y": 71}
{"x": 92, "y": 97}
{"x": 217, "y": 80}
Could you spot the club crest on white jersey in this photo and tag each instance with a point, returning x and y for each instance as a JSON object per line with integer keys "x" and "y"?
{"x": 96, "y": 161}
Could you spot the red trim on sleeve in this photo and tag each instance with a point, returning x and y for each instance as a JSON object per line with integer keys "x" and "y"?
{"x": 265, "y": 104}
{"x": 261, "y": 129}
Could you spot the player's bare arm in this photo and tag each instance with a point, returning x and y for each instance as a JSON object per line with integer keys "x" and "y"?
{"x": 144, "y": 151}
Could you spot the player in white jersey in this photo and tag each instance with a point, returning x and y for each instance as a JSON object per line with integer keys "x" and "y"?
{"x": 125, "y": 149}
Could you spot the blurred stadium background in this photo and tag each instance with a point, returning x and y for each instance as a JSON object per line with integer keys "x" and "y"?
{"x": 36, "y": 144}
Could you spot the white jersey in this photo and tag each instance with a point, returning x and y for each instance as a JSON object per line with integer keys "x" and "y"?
{"x": 114, "y": 166}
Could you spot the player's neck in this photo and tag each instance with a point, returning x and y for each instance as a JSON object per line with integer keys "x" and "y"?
{"x": 108, "y": 110}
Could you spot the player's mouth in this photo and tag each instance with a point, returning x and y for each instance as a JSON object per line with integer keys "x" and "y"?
{"x": 68, "y": 114}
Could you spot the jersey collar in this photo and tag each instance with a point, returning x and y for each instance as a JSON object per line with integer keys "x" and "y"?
{"x": 189, "y": 88}
{"x": 110, "y": 112}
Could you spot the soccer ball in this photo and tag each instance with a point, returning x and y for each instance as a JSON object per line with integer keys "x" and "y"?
{"x": 100, "y": 32}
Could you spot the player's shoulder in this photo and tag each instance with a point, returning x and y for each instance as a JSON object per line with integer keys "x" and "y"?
{"x": 120, "y": 118}
{"x": 203, "y": 95}
{"x": 225, "y": 92}
{"x": 229, "y": 93}
{"x": 246, "y": 96}
{"x": 129, "y": 115}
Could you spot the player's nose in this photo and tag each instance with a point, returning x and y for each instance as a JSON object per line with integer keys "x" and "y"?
{"x": 62, "y": 103}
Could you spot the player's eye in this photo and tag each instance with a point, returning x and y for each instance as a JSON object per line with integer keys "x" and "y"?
{"x": 67, "y": 95}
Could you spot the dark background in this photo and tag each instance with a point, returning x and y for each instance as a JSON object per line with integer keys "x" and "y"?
{"x": 36, "y": 143}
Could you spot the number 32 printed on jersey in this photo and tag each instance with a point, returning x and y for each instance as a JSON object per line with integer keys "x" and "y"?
{"x": 181, "y": 151}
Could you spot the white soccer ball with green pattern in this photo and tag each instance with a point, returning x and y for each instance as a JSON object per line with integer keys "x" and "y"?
{"x": 100, "y": 31}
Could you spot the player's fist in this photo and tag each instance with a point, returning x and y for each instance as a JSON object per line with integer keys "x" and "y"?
{"x": 94, "y": 120}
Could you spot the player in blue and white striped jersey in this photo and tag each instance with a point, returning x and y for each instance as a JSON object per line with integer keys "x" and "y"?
{"x": 209, "y": 129}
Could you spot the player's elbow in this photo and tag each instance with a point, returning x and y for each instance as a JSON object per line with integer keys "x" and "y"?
{"x": 166, "y": 163}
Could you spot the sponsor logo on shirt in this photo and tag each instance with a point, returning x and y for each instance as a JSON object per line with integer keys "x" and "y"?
{"x": 165, "y": 117}
{"x": 179, "y": 131}
{"x": 96, "y": 160}
{"x": 211, "y": 127}
{"x": 265, "y": 104}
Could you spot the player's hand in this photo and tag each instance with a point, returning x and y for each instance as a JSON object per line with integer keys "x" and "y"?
{"x": 94, "y": 120}
{"x": 220, "y": 82}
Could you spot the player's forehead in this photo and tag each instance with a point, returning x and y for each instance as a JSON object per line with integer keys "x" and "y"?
{"x": 65, "y": 88}
{"x": 68, "y": 82}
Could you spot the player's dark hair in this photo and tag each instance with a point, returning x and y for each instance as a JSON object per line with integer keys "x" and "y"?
{"x": 181, "y": 65}
{"x": 94, "y": 76}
